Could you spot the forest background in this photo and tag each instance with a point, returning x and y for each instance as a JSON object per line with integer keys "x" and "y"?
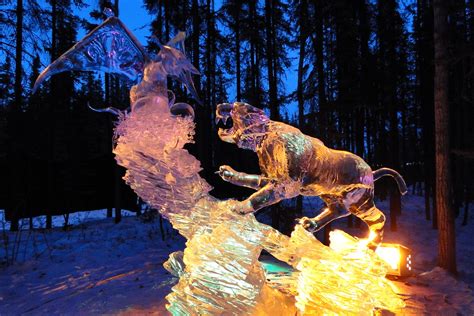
{"x": 357, "y": 74}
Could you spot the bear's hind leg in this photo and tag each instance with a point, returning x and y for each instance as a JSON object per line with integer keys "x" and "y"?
{"x": 334, "y": 209}
{"x": 361, "y": 204}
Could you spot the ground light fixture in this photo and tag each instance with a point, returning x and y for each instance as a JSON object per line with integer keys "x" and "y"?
{"x": 399, "y": 259}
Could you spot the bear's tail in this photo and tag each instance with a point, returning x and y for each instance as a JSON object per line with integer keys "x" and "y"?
{"x": 382, "y": 172}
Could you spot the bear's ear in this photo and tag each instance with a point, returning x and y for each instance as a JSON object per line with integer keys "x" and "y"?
{"x": 260, "y": 111}
{"x": 254, "y": 109}
{"x": 242, "y": 108}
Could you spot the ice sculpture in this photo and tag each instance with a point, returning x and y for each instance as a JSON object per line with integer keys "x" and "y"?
{"x": 112, "y": 48}
{"x": 293, "y": 163}
{"x": 219, "y": 272}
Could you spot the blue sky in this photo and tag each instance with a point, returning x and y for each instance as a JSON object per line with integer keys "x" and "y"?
{"x": 131, "y": 12}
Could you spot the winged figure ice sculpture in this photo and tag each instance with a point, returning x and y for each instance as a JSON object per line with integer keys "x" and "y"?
{"x": 112, "y": 48}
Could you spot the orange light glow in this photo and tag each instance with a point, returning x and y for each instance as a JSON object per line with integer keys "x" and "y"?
{"x": 391, "y": 255}
{"x": 372, "y": 236}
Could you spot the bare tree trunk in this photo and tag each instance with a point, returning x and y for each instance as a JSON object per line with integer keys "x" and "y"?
{"x": 425, "y": 81}
{"x": 256, "y": 40}
{"x": 318, "y": 43}
{"x": 272, "y": 87}
{"x": 118, "y": 178}
{"x": 364, "y": 33}
{"x": 53, "y": 101}
{"x": 195, "y": 38}
{"x": 12, "y": 120}
{"x": 19, "y": 54}
{"x": 446, "y": 229}
{"x": 302, "y": 48}
{"x": 253, "y": 56}
{"x": 109, "y": 136}
{"x": 237, "y": 54}
{"x": 300, "y": 88}
{"x": 209, "y": 40}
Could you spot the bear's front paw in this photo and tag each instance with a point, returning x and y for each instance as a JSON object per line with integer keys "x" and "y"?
{"x": 227, "y": 173}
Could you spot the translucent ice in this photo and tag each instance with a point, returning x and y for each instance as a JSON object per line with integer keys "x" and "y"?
{"x": 219, "y": 271}
{"x": 111, "y": 47}
{"x": 293, "y": 163}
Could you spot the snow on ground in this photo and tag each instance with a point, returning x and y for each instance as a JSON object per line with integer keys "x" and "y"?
{"x": 58, "y": 221}
{"x": 98, "y": 267}
{"x": 417, "y": 233}
{"x": 432, "y": 290}
{"x": 94, "y": 268}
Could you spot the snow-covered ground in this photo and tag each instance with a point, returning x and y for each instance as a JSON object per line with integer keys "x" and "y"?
{"x": 58, "y": 221}
{"x": 98, "y": 267}
{"x": 417, "y": 233}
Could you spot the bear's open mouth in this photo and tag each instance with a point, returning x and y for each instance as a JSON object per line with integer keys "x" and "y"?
{"x": 224, "y": 122}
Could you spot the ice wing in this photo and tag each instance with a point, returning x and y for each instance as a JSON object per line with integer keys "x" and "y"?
{"x": 180, "y": 68}
{"x": 178, "y": 41}
{"x": 110, "y": 47}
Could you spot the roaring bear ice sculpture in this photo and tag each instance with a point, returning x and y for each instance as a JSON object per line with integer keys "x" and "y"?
{"x": 293, "y": 163}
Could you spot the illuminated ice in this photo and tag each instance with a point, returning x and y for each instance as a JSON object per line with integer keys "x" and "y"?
{"x": 295, "y": 164}
{"x": 219, "y": 271}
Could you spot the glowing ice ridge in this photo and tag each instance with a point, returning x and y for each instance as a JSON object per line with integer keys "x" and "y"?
{"x": 219, "y": 271}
